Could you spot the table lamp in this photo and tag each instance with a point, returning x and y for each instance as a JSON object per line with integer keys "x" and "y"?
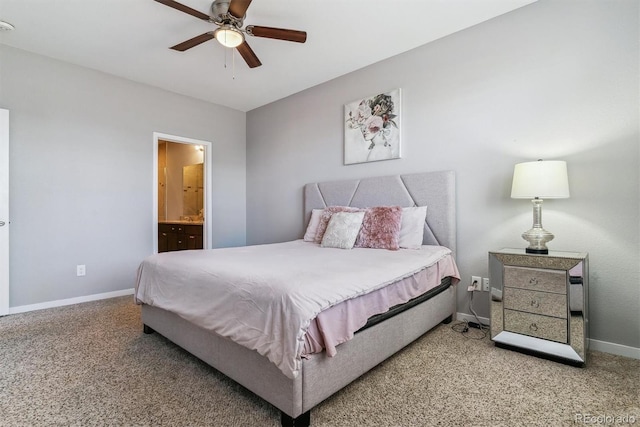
{"x": 543, "y": 179}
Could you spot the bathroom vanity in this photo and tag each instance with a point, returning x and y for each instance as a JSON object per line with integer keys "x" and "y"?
{"x": 179, "y": 235}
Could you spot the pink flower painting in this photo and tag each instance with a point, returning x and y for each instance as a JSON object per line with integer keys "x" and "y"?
{"x": 372, "y": 128}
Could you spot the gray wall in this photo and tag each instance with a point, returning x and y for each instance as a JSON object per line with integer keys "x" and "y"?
{"x": 554, "y": 80}
{"x": 81, "y": 174}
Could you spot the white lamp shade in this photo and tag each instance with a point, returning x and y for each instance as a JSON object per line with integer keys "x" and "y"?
{"x": 545, "y": 179}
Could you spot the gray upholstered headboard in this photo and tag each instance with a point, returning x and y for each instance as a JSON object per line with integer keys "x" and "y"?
{"x": 436, "y": 190}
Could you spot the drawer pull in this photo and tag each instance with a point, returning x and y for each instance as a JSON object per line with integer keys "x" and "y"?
{"x": 533, "y": 281}
{"x": 535, "y": 303}
{"x": 533, "y": 327}
{"x": 164, "y": 234}
{"x": 192, "y": 237}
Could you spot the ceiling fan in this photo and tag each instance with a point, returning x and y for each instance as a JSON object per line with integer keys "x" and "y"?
{"x": 229, "y": 16}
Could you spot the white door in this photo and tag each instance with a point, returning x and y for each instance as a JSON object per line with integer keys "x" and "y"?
{"x": 4, "y": 212}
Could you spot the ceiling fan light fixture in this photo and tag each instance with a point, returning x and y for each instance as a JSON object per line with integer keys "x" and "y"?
{"x": 229, "y": 36}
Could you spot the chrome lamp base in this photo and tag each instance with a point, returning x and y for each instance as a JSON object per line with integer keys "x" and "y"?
{"x": 537, "y": 236}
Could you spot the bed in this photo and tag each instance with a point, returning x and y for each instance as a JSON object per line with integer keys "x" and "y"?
{"x": 296, "y": 380}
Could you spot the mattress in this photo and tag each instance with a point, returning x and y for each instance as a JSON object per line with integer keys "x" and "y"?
{"x": 399, "y": 308}
{"x": 264, "y": 297}
{"x": 338, "y": 324}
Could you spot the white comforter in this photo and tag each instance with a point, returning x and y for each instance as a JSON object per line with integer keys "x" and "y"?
{"x": 264, "y": 297}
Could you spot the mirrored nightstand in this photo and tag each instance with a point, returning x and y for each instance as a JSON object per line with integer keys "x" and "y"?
{"x": 539, "y": 303}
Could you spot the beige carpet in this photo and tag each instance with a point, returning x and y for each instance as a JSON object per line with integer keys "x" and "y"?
{"x": 90, "y": 364}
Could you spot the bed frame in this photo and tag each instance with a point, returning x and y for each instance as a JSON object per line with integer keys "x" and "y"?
{"x": 322, "y": 376}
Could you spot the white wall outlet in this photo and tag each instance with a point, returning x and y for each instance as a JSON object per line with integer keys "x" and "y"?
{"x": 81, "y": 270}
{"x": 485, "y": 284}
{"x": 476, "y": 283}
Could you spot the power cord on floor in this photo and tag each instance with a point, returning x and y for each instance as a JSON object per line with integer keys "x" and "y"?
{"x": 465, "y": 326}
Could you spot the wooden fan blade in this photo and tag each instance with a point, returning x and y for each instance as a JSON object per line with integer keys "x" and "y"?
{"x": 248, "y": 55}
{"x": 185, "y": 9}
{"x": 277, "y": 33}
{"x": 238, "y": 8}
{"x": 193, "y": 42}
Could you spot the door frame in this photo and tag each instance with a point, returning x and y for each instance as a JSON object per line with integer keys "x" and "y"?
{"x": 207, "y": 145}
{"x": 4, "y": 212}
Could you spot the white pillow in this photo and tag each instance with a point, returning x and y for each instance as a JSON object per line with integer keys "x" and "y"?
{"x": 312, "y": 228}
{"x": 412, "y": 227}
{"x": 342, "y": 230}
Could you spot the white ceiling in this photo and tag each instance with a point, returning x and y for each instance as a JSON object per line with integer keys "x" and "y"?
{"x": 131, "y": 39}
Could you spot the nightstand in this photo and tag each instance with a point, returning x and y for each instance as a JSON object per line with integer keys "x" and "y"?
{"x": 539, "y": 303}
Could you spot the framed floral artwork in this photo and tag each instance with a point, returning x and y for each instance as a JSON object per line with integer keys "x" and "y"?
{"x": 372, "y": 128}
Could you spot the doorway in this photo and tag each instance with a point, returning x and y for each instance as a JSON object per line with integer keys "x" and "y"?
{"x": 182, "y": 201}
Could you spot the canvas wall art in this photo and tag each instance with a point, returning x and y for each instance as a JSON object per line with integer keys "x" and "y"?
{"x": 372, "y": 128}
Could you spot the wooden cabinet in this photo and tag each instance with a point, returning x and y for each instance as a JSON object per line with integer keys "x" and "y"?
{"x": 539, "y": 302}
{"x": 179, "y": 236}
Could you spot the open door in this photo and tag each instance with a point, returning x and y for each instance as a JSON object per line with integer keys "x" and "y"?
{"x": 4, "y": 212}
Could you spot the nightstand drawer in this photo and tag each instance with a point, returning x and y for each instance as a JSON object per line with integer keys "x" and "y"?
{"x": 536, "y": 279}
{"x": 535, "y": 325}
{"x": 544, "y": 303}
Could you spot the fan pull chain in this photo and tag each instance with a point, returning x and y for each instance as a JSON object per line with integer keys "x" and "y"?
{"x": 225, "y": 58}
{"x": 233, "y": 62}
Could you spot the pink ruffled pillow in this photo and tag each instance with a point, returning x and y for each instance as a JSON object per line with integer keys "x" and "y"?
{"x": 381, "y": 228}
{"x": 326, "y": 216}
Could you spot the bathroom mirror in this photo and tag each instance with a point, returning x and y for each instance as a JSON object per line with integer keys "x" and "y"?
{"x": 193, "y": 191}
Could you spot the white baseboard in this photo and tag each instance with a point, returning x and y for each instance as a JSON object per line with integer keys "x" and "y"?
{"x": 612, "y": 348}
{"x": 471, "y": 318}
{"x": 69, "y": 301}
{"x": 596, "y": 345}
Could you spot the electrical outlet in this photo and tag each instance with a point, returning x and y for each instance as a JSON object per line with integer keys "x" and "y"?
{"x": 476, "y": 283}
{"x": 81, "y": 270}
{"x": 485, "y": 284}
